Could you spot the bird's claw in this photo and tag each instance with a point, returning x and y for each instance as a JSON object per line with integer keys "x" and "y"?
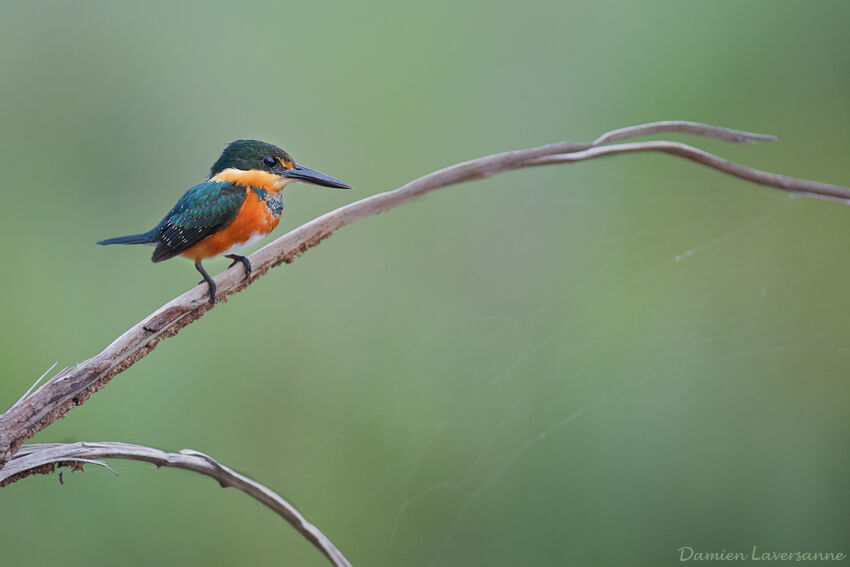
{"x": 208, "y": 279}
{"x": 237, "y": 259}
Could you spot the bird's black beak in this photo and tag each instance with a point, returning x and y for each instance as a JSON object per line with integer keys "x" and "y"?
{"x": 307, "y": 175}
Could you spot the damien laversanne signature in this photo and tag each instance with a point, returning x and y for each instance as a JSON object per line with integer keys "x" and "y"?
{"x": 687, "y": 553}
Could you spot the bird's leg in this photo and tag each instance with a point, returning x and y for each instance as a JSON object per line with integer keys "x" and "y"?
{"x": 208, "y": 279}
{"x": 245, "y": 262}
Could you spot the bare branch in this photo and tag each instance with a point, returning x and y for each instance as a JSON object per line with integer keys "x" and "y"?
{"x": 684, "y": 127}
{"x": 72, "y": 387}
{"x": 774, "y": 180}
{"x": 44, "y": 458}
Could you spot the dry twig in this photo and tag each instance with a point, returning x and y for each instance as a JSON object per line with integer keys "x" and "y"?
{"x": 45, "y": 457}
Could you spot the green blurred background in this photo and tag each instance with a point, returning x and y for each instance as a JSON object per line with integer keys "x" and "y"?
{"x": 590, "y": 364}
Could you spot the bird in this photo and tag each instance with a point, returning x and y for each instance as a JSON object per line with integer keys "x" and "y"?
{"x": 237, "y": 206}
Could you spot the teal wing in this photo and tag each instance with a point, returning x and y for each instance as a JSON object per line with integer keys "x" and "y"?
{"x": 203, "y": 210}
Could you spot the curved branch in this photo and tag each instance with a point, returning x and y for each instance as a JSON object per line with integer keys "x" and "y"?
{"x": 44, "y": 458}
{"x": 73, "y": 386}
{"x": 774, "y": 180}
{"x": 684, "y": 127}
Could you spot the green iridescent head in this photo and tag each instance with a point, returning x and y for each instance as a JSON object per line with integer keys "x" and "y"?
{"x": 252, "y": 154}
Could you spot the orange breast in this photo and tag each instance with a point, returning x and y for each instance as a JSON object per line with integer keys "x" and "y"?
{"x": 253, "y": 219}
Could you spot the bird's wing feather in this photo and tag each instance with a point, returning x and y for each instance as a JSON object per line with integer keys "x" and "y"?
{"x": 203, "y": 210}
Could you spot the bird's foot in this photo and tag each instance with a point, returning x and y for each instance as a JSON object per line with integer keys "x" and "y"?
{"x": 208, "y": 279}
{"x": 211, "y": 286}
{"x": 243, "y": 260}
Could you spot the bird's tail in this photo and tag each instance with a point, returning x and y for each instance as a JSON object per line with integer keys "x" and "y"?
{"x": 149, "y": 237}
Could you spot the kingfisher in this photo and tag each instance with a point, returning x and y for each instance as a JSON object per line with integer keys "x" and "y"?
{"x": 236, "y": 207}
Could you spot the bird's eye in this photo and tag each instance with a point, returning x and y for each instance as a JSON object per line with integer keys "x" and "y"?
{"x": 269, "y": 161}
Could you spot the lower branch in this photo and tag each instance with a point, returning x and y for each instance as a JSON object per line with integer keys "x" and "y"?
{"x": 44, "y": 458}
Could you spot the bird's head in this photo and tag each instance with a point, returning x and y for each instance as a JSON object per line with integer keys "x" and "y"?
{"x": 258, "y": 164}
